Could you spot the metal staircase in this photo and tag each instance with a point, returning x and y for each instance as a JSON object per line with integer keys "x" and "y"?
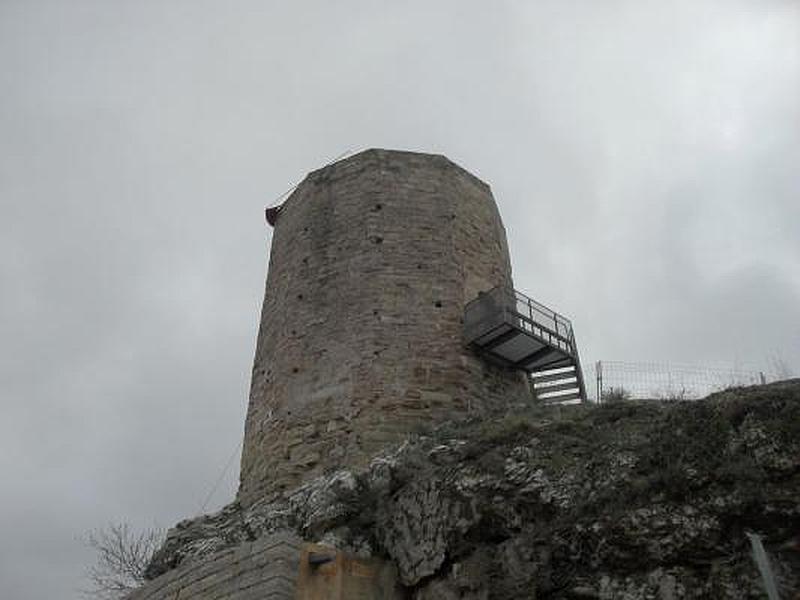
{"x": 513, "y": 330}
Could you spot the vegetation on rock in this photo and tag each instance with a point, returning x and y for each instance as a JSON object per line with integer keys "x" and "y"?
{"x": 122, "y": 556}
{"x": 626, "y": 500}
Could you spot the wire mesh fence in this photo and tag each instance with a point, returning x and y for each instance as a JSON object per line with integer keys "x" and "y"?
{"x": 618, "y": 380}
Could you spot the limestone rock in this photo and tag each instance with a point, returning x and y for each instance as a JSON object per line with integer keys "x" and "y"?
{"x": 633, "y": 500}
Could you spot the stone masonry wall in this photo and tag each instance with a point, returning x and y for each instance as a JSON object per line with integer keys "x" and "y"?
{"x": 373, "y": 259}
{"x": 264, "y": 569}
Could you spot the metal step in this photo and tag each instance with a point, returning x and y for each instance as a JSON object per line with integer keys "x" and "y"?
{"x": 545, "y": 376}
{"x": 557, "y": 384}
{"x": 562, "y": 398}
{"x": 560, "y": 387}
{"x": 543, "y": 365}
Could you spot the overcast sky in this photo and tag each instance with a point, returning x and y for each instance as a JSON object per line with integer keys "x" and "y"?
{"x": 645, "y": 157}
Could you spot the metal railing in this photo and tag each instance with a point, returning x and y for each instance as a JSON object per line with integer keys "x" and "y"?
{"x": 535, "y": 337}
{"x": 535, "y": 312}
{"x": 504, "y": 304}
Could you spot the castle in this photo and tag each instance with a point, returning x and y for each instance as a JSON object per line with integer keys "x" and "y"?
{"x": 389, "y": 307}
{"x": 373, "y": 260}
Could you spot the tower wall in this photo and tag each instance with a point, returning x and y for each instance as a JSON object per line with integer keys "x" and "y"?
{"x": 373, "y": 259}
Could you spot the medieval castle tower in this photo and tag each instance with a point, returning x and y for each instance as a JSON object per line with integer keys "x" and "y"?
{"x": 361, "y": 338}
{"x": 389, "y": 308}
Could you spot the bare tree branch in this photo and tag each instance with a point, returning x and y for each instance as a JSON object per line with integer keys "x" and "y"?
{"x": 122, "y": 557}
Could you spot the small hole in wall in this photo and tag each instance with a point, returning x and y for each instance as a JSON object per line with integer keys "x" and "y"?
{"x": 378, "y": 206}
{"x": 375, "y": 312}
{"x": 294, "y": 332}
{"x": 295, "y": 370}
{"x": 438, "y": 304}
{"x": 305, "y": 229}
{"x": 299, "y": 296}
{"x": 377, "y": 240}
{"x": 305, "y": 260}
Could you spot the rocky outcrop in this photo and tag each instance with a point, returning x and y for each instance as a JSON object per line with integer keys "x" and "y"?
{"x": 630, "y": 500}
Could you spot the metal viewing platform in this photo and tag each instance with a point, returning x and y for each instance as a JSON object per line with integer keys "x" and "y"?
{"x": 513, "y": 330}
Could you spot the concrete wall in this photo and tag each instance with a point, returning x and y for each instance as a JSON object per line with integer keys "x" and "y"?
{"x": 343, "y": 577}
{"x": 372, "y": 261}
{"x": 266, "y": 569}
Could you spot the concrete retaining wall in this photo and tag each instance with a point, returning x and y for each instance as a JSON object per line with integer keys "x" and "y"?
{"x": 266, "y": 569}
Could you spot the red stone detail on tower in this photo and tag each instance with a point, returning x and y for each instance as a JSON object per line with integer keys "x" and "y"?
{"x": 272, "y": 214}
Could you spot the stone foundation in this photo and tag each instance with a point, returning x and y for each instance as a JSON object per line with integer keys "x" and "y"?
{"x": 266, "y": 568}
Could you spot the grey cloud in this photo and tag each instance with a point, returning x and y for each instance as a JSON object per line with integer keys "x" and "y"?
{"x": 643, "y": 157}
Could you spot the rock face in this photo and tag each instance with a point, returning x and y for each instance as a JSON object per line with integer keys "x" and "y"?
{"x": 628, "y": 501}
{"x": 373, "y": 259}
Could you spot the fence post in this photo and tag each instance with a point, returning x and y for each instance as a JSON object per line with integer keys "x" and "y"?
{"x": 762, "y": 562}
{"x": 598, "y": 369}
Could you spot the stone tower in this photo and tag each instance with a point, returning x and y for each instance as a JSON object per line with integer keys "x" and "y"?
{"x": 373, "y": 259}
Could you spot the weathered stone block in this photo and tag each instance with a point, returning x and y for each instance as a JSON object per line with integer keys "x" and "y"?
{"x": 327, "y": 574}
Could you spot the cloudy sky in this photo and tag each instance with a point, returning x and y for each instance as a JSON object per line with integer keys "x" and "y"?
{"x": 645, "y": 157}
